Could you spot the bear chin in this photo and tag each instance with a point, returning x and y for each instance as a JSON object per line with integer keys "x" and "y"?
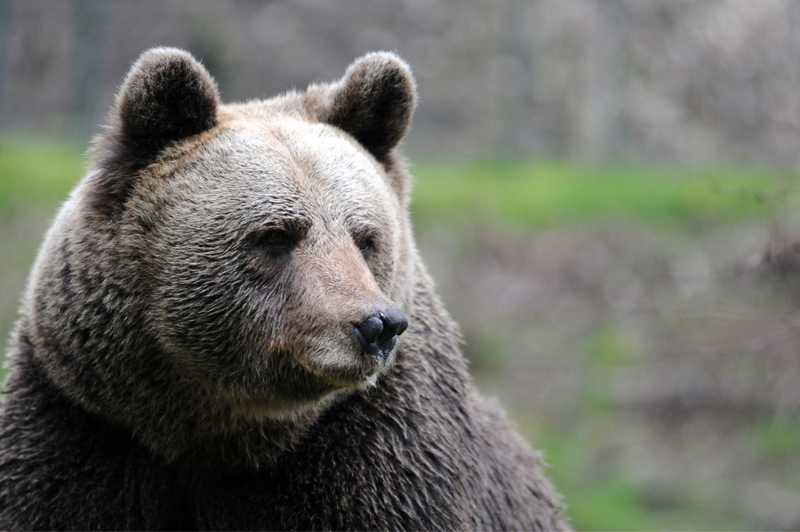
{"x": 309, "y": 383}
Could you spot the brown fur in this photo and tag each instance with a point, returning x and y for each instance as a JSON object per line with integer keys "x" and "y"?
{"x": 177, "y": 370}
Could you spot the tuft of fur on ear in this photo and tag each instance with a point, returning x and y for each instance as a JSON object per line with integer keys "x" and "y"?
{"x": 167, "y": 96}
{"x": 373, "y": 102}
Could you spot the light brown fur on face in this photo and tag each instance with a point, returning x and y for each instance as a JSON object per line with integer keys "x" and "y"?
{"x": 325, "y": 286}
{"x": 214, "y": 332}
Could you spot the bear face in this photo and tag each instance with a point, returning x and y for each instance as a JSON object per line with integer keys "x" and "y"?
{"x": 248, "y": 264}
{"x": 277, "y": 241}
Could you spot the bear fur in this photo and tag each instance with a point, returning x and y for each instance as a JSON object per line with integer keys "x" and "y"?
{"x": 188, "y": 353}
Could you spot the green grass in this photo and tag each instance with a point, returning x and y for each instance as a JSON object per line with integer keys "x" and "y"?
{"x": 606, "y": 500}
{"x": 776, "y": 439}
{"x": 529, "y": 193}
{"x": 34, "y": 172}
{"x": 536, "y": 193}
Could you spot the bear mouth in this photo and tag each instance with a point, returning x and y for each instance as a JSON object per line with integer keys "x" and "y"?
{"x": 355, "y": 373}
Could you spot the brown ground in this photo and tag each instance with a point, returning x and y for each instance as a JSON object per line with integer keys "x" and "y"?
{"x": 667, "y": 360}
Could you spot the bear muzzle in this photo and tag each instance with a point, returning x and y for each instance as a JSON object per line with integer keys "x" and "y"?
{"x": 377, "y": 334}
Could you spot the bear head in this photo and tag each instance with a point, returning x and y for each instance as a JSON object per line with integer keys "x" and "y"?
{"x": 226, "y": 272}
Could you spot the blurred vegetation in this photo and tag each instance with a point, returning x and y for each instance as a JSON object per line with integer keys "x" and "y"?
{"x": 486, "y": 221}
{"x": 542, "y": 192}
{"x": 36, "y": 172}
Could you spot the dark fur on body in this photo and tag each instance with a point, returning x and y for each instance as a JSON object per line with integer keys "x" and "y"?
{"x": 171, "y": 371}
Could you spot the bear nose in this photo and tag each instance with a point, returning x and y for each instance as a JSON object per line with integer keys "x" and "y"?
{"x": 378, "y": 334}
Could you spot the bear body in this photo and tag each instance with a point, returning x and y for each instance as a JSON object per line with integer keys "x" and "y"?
{"x": 214, "y": 333}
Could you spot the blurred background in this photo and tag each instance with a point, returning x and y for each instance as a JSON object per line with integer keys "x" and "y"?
{"x": 606, "y": 194}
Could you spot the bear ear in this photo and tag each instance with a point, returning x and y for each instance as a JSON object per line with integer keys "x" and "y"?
{"x": 373, "y": 102}
{"x": 167, "y": 96}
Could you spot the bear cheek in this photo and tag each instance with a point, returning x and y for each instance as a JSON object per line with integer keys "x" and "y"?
{"x": 205, "y": 320}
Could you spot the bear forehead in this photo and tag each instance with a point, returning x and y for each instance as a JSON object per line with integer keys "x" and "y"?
{"x": 290, "y": 158}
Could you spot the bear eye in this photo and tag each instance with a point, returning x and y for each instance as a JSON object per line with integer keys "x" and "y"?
{"x": 278, "y": 240}
{"x": 366, "y": 245}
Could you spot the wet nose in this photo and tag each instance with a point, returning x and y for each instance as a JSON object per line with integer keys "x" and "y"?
{"x": 378, "y": 334}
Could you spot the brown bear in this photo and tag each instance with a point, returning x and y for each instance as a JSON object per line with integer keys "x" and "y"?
{"x": 229, "y": 326}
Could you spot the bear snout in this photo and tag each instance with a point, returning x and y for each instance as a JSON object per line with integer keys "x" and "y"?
{"x": 377, "y": 335}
